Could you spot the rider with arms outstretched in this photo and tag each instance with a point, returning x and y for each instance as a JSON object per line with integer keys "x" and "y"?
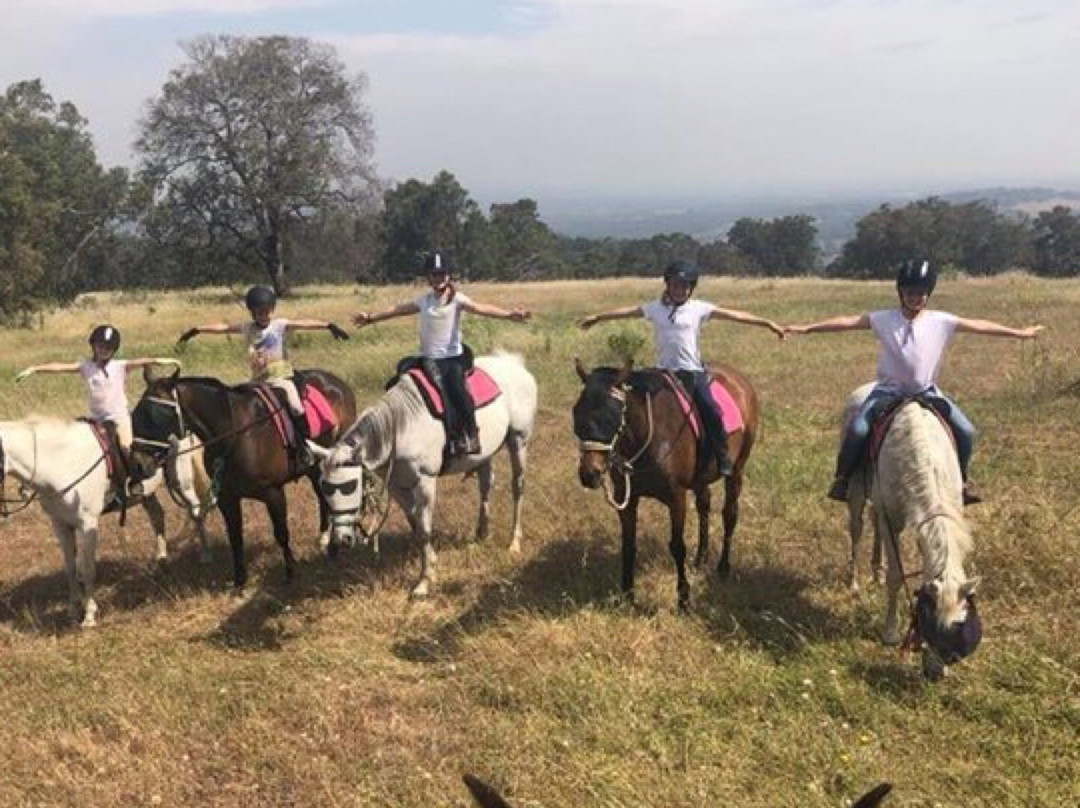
{"x": 268, "y": 353}
{"x": 911, "y": 343}
{"x": 676, "y": 322}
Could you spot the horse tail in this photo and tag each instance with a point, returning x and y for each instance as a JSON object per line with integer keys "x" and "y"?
{"x": 484, "y": 794}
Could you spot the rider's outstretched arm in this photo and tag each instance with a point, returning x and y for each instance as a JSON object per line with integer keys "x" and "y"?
{"x": 317, "y": 325}
{"x": 736, "y": 316}
{"x": 147, "y": 361}
{"x": 518, "y": 314}
{"x": 854, "y": 322}
{"x": 988, "y": 328}
{"x": 614, "y": 314}
{"x": 50, "y": 367}
{"x": 362, "y": 318}
{"x": 209, "y": 328}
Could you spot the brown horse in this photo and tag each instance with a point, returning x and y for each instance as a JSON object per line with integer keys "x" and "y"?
{"x": 241, "y": 443}
{"x": 631, "y": 427}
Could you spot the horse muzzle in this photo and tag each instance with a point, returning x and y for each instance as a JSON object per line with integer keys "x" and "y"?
{"x": 591, "y": 469}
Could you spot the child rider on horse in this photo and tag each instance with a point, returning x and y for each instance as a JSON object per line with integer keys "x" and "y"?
{"x": 676, "y": 322}
{"x": 104, "y": 375}
{"x": 268, "y": 353}
{"x": 911, "y": 342}
{"x": 440, "y": 343}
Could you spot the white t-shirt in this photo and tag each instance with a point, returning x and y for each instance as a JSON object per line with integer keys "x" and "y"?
{"x": 266, "y": 349}
{"x": 440, "y": 325}
{"x": 910, "y": 351}
{"x": 105, "y": 395}
{"x": 675, "y": 340}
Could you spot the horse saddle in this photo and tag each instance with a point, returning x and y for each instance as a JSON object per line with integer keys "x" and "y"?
{"x": 116, "y": 465}
{"x": 884, "y": 412}
{"x": 481, "y": 387}
{"x": 728, "y": 408}
{"x": 318, "y": 413}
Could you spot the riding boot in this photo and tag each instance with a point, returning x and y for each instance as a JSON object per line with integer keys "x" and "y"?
{"x": 847, "y": 461}
{"x": 305, "y": 459}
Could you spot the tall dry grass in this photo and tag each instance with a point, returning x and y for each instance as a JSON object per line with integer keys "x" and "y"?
{"x": 773, "y": 691}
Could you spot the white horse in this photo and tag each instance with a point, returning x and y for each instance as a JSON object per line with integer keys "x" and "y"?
{"x": 398, "y": 439}
{"x": 61, "y": 463}
{"x": 859, "y": 488}
{"x": 917, "y": 486}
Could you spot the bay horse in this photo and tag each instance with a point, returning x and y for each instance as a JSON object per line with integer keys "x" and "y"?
{"x": 399, "y": 439}
{"x": 631, "y": 428}
{"x": 241, "y": 445}
{"x": 63, "y": 466}
{"x": 917, "y": 486}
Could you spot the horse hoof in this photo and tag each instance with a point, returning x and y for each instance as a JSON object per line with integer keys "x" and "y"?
{"x": 420, "y": 591}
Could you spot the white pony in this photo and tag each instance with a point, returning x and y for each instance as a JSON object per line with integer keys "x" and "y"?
{"x": 61, "y": 463}
{"x": 917, "y": 486}
{"x": 399, "y": 440}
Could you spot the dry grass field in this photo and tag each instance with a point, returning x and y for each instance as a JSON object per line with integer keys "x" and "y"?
{"x": 772, "y": 691}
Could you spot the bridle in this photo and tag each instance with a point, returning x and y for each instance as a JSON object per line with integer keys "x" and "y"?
{"x": 615, "y": 463}
{"x": 25, "y": 502}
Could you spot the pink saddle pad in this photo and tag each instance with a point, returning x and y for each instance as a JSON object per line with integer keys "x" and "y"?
{"x": 481, "y": 387}
{"x": 729, "y": 410}
{"x": 320, "y": 415}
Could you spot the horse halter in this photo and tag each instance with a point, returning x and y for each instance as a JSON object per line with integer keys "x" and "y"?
{"x": 952, "y": 644}
{"x": 160, "y": 448}
{"x": 619, "y": 394}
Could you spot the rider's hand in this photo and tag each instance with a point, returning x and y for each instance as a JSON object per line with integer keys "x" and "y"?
{"x": 520, "y": 315}
{"x": 1033, "y": 331}
{"x": 191, "y": 332}
{"x": 362, "y": 318}
{"x": 337, "y": 331}
{"x": 24, "y": 374}
{"x": 779, "y": 330}
{"x": 586, "y": 323}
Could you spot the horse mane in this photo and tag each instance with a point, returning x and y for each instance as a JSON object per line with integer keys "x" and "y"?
{"x": 932, "y": 494}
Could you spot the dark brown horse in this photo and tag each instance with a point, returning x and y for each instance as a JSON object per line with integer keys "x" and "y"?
{"x": 631, "y": 427}
{"x": 242, "y": 449}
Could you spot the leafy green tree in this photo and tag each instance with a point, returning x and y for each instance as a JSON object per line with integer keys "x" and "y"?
{"x": 786, "y": 245}
{"x": 248, "y": 140}
{"x": 419, "y": 216}
{"x": 521, "y": 245}
{"x": 1057, "y": 242}
{"x": 57, "y": 204}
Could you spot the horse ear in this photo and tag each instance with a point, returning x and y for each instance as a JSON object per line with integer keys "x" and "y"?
{"x": 582, "y": 371}
{"x": 484, "y": 794}
{"x": 873, "y": 797}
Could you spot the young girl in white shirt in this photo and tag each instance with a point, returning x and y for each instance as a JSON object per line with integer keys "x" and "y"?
{"x": 106, "y": 397}
{"x": 440, "y": 311}
{"x": 911, "y": 343}
{"x": 268, "y": 353}
{"x": 676, "y": 322}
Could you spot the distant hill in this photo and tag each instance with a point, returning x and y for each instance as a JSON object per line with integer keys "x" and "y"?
{"x": 705, "y": 219}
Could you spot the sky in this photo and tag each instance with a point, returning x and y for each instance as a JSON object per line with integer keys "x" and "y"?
{"x": 636, "y": 98}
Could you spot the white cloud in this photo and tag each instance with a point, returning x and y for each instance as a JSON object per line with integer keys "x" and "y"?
{"x": 83, "y": 9}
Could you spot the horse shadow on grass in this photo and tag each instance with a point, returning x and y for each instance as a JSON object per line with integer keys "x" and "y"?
{"x": 769, "y": 608}
{"x": 565, "y": 576}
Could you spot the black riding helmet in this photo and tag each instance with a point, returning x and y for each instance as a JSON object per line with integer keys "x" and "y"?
{"x": 105, "y": 335}
{"x": 260, "y": 297}
{"x": 437, "y": 262}
{"x": 685, "y": 271}
{"x": 916, "y": 274}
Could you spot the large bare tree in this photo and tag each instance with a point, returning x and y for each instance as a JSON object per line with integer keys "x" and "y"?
{"x": 252, "y": 135}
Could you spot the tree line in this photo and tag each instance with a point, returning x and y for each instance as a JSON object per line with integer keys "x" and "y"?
{"x": 255, "y": 162}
